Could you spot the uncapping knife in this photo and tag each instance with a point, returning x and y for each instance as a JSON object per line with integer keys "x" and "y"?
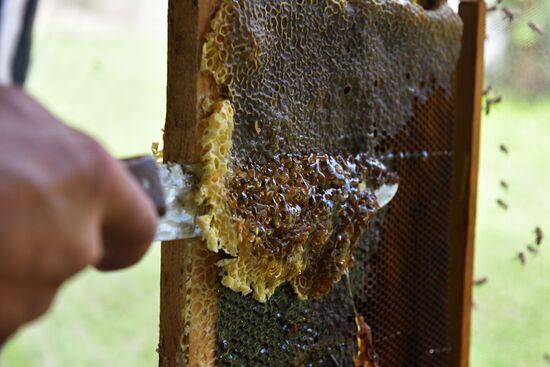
{"x": 170, "y": 187}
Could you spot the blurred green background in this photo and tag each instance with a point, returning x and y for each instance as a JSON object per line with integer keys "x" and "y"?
{"x": 100, "y": 65}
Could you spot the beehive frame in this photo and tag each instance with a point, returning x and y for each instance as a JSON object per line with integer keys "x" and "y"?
{"x": 187, "y": 25}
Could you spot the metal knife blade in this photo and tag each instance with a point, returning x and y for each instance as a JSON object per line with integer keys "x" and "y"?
{"x": 179, "y": 221}
{"x": 170, "y": 187}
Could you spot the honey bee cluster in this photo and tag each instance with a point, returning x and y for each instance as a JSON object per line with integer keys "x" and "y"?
{"x": 298, "y": 219}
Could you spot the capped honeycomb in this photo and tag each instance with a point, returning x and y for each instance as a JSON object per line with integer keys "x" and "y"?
{"x": 319, "y": 76}
{"x": 289, "y": 83}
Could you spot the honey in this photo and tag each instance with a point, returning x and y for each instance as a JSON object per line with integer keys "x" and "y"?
{"x": 295, "y": 219}
{"x": 297, "y": 93}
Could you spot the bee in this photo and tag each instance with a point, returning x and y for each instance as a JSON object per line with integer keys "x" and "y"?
{"x": 535, "y": 28}
{"x": 335, "y": 360}
{"x": 481, "y": 281}
{"x": 502, "y": 204}
{"x": 532, "y": 249}
{"x": 504, "y": 149}
{"x": 508, "y": 13}
{"x": 521, "y": 257}
{"x": 490, "y": 102}
{"x": 539, "y": 236}
{"x": 504, "y": 185}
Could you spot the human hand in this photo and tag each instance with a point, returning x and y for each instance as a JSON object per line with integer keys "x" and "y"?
{"x": 65, "y": 204}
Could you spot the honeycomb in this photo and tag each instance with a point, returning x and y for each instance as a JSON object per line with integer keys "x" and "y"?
{"x": 300, "y": 219}
{"x": 287, "y": 81}
{"x": 270, "y": 82}
{"x": 321, "y": 76}
{"x": 399, "y": 278}
{"x": 216, "y": 224}
{"x": 199, "y": 340}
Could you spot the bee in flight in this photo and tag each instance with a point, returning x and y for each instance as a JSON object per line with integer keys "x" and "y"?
{"x": 521, "y": 257}
{"x": 539, "y": 237}
{"x": 504, "y": 149}
{"x": 489, "y": 102}
{"x": 508, "y": 13}
{"x": 502, "y": 204}
{"x": 504, "y": 185}
{"x": 532, "y": 249}
{"x": 481, "y": 281}
{"x": 535, "y": 28}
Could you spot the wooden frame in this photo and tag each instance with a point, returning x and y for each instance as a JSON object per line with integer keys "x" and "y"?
{"x": 187, "y": 25}
{"x": 466, "y": 155}
{"x": 188, "y": 22}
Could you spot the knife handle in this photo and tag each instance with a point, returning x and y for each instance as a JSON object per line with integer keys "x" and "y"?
{"x": 145, "y": 171}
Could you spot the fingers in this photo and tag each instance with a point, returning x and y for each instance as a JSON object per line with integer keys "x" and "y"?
{"x": 129, "y": 222}
{"x": 21, "y": 303}
{"x": 86, "y": 250}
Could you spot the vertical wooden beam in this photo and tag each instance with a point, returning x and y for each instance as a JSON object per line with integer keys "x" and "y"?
{"x": 466, "y": 136}
{"x": 187, "y": 24}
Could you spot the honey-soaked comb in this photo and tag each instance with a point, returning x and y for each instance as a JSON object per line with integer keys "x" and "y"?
{"x": 300, "y": 218}
{"x": 275, "y": 91}
{"x": 321, "y": 78}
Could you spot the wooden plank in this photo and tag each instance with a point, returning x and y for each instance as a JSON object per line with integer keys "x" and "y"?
{"x": 172, "y": 302}
{"x": 188, "y": 22}
{"x": 466, "y": 132}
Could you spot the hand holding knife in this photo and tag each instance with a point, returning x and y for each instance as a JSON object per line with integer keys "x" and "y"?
{"x": 170, "y": 187}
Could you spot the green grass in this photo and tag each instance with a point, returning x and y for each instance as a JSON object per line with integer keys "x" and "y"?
{"x": 113, "y": 87}
{"x": 511, "y": 324}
